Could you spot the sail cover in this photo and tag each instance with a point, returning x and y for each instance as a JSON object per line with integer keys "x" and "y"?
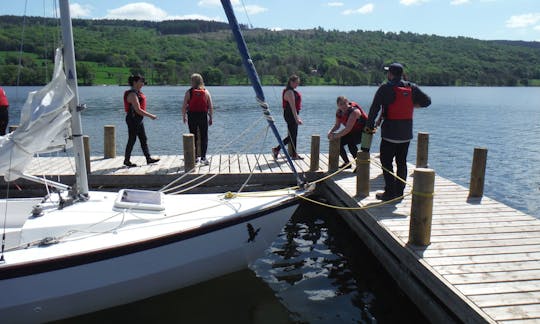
{"x": 44, "y": 124}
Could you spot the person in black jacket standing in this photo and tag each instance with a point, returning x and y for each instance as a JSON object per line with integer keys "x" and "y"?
{"x": 395, "y": 100}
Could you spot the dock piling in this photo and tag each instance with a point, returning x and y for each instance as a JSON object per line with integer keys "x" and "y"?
{"x": 109, "y": 141}
{"x": 333, "y": 154}
{"x": 189, "y": 152}
{"x": 315, "y": 151}
{"x": 422, "y": 150}
{"x": 422, "y": 207}
{"x": 362, "y": 174}
{"x": 478, "y": 172}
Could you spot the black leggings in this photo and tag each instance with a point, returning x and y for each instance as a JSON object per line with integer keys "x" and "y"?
{"x": 351, "y": 140}
{"x": 292, "y": 129}
{"x": 199, "y": 120}
{"x": 388, "y": 152}
{"x": 135, "y": 129}
{"x": 4, "y": 120}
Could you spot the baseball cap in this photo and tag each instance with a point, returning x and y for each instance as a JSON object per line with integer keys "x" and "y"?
{"x": 395, "y": 68}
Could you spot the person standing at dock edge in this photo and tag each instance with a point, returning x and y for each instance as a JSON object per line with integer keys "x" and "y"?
{"x": 350, "y": 115}
{"x": 199, "y": 110}
{"x": 397, "y": 99}
{"x": 292, "y": 103}
{"x": 135, "y": 108}
{"x": 4, "y": 113}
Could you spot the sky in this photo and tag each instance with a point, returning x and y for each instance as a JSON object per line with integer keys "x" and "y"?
{"x": 479, "y": 19}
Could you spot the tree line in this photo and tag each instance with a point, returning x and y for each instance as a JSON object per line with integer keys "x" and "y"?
{"x": 167, "y": 52}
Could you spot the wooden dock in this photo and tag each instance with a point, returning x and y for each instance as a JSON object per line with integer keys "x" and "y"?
{"x": 225, "y": 170}
{"x": 483, "y": 263}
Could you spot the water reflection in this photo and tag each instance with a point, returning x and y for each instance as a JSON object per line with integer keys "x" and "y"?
{"x": 323, "y": 273}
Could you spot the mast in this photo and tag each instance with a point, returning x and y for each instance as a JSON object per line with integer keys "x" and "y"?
{"x": 255, "y": 82}
{"x": 81, "y": 186}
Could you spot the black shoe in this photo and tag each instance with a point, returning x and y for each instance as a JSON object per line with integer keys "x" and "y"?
{"x": 129, "y": 164}
{"x": 384, "y": 196}
{"x": 150, "y": 161}
{"x": 344, "y": 165}
{"x": 275, "y": 152}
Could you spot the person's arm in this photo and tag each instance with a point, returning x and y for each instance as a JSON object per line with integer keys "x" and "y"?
{"x": 420, "y": 99}
{"x": 134, "y": 101}
{"x": 210, "y": 107}
{"x": 376, "y": 106}
{"x": 184, "y": 107}
{"x": 334, "y": 128}
{"x": 289, "y": 97}
{"x": 355, "y": 114}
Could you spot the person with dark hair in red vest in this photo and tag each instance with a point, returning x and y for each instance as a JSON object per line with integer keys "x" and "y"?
{"x": 135, "y": 108}
{"x": 292, "y": 103}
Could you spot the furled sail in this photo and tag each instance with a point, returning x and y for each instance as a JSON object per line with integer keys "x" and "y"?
{"x": 44, "y": 125}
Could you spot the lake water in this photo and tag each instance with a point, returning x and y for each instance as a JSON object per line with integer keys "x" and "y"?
{"x": 316, "y": 271}
{"x": 504, "y": 120}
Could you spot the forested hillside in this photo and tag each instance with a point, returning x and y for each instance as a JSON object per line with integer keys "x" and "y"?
{"x": 168, "y": 52}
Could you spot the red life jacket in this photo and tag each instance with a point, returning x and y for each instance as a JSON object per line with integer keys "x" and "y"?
{"x": 140, "y": 96}
{"x": 297, "y": 99}
{"x": 403, "y": 106}
{"x": 198, "y": 101}
{"x": 3, "y": 99}
{"x": 344, "y": 117}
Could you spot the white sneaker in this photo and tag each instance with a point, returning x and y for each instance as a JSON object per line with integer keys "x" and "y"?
{"x": 204, "y": 161}
{"x": 197, "y": 160}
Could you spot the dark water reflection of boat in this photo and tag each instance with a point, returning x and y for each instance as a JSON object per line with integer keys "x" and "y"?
{"x": 317, "y": 271}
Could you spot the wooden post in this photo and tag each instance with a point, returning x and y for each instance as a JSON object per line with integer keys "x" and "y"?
{"x": 189, "y": 152}
{"x": 11, "y": 128}
{"x": 478, "y": 172}
{"x": 86, "y": 144}
{"x": 422, "y": 150}
{"x": 333, "y": 154}
{"x": 362, "y": 174}
{"x": 109, "y": 142}
{"x": 422, "y": 207}
{"x": 315, "y": 151}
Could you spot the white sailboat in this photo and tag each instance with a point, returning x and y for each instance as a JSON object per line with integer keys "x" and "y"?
{"x": 79, "y": 251}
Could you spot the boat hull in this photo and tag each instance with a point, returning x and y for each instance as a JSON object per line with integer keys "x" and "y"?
{"x": 97, "y": 280}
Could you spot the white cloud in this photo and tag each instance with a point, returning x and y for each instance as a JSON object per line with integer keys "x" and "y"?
{"x": 412, "y": 2}
{"x": 215, "y": 3}
{"x": 138, "y": 11}
{"x": 522, "y": 21}
{"x": 253, "y": 9}
{"x": 193, "y": 17}
{"x": 77, "y": 10}
{"x": 365, "y": 9}
{"x": 458, "y": 2}
{"x": 335, "y": 4}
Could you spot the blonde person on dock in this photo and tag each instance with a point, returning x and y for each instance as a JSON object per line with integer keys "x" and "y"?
{"x": 350, "y": 115}
{"x": 292, "y": 103}
{"x": 135, "y": 108}
{"x": 197, "y": 111}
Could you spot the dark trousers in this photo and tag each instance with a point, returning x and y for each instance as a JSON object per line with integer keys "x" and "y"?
{"x": 388, "y": 152}
{"x": 4, "y": 120}
{"x": 350, "y": 140}
{"x": 199, "y": 121}
{"x": 292, "y": 129}
{"x": 135, "y": 129}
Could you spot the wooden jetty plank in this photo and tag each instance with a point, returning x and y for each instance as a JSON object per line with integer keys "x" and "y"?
{"x": 481, "y": 249}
